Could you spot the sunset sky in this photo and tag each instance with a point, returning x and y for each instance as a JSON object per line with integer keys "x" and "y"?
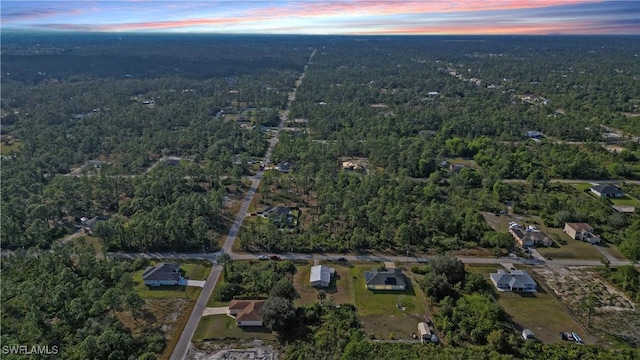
{"x": 356, "y": 17}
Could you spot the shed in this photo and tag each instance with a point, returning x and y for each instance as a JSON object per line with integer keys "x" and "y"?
{"x": 425, "y": 332}
{"x": 527, "y": 334}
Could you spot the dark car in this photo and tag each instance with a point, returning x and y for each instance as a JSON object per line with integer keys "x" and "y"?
{"x": 563, "y": 336}
{"x": 275, "y": 257}
{"x": 342, "y": 259}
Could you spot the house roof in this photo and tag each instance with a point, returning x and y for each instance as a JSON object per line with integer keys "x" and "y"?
{"x": 277, "y": 210}
{"x": 384, "y": 277}
{"x": 321, "y": 273}
{"x": 90, "y": 223}
{"x": 582, "y": 227}
{"x": 285, "y": 166}
{"x": 515, "y": 278}
{"x": 606, "y": 189}
{"x": 250, "y": 310}
{"x": 162, "y": 271}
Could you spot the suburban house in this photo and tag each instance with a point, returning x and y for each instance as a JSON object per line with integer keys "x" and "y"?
{"x": 163, "y": 274}
{"x": 581, "y": 231}
{"x": 515, "y": 280}
{"x": 247, "y": 312}
{"x": 284, "y": 167}
{"x": 534, "y": 134}
{"x": 607, "y": 190}
{"x": 456, "y": 168}
{"x": 279, "y": 214}
{"x": 321, "y": 275}
{"x": 350, "y": 165}
{"x": 87, "y": 225}
{"x": 387, "y": 279}
{"x": 529, "y": 236}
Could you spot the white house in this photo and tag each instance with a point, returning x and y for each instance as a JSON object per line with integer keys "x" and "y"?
{"x": 247, "y": 312}
{"x": 163, "y": 274}
{"x": 515, "y": 280}
{"x": 321, "y": 275}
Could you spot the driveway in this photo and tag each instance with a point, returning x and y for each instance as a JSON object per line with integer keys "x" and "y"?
{"x": 198, "y": 283}
{"x": 216, "y": 311}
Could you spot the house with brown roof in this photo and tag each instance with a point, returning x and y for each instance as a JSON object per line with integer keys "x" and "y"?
{"x": 247, "y": 312}
{"x": 530, "y": 236}
{"x": 581, "y": 231}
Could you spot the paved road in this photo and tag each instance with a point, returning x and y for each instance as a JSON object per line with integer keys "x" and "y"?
{"x": 180, "y": 351}
{"x": 578, "y": 181}
{"x": 537, "y": 261}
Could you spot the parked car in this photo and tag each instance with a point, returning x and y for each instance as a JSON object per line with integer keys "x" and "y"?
{"x": 275, "y": 257}
{"x": 577, "y": 338}
{"x": 562, "y": 335}
{"x": 263, "y": 257}
{"x": 342, "y": 259}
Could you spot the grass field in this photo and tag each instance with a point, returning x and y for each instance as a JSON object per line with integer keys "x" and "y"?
{"x": 540, "y": 312}
{"x": 86, "y": 239}
{"x": 340, "y": 291}
{"x": 626, "y": 200}
{"x": 582, "y": 186}
{"x": 223, "y": 327}
{"x": 9, "y": 149}
{"x": 378, "y": 312}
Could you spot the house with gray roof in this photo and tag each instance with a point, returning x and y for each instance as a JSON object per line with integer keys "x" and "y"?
{"x": 163, "y": 274}
{"x": 385, "y": 279}
{"x": 514, "y": 280}
{"x": 607, "y": 190}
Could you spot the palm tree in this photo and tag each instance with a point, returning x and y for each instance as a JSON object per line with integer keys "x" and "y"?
{"x": 322, "y": 295}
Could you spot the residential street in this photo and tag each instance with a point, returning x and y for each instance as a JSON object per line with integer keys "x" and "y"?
{"x": 181, "y": 348}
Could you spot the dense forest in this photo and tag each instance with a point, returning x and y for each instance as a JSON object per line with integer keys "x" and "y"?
{"x": 68, "y": 302}
{"x": 155, "y": 137}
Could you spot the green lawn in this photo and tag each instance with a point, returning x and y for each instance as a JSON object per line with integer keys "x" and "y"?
{"x": 9, "y": 149}
{"x": 212, "y": 302}
{"x": 223, "y": 327}
{"x": 582, "y": 186}
{"x": 627, "y": 200}
{"x": 378, "y": 311}
{"x": 540, "y": 312}
{"x": 86, "y": 239}
{"x": 340, "y": 291}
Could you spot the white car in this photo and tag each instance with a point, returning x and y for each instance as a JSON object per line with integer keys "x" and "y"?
{"x": 263, "y": 257}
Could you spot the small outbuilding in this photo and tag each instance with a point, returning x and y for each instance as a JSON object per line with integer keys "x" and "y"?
{"x": 527, "y": 334}
{"x": 425, "y": 332}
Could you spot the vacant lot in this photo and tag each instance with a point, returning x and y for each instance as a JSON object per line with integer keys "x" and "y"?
{"x": 617, "y": 317}
{"x": 164, "y": 316}
{"x": 378, "y": 311}
{"x": 224, "y": 327}
{"x": 540, "y": 312}
{"x": 340, "y": 291}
